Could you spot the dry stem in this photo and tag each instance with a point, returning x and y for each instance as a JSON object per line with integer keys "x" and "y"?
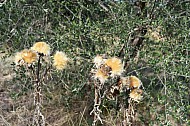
{"x": 97, "y": 102}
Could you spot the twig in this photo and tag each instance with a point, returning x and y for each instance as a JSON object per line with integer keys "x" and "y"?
{"x": 82, "y": 114}
{"x": 97, "y": 102}
{"x": 5, "y": 121}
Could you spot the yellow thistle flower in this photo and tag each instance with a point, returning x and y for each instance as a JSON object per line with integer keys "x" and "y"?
{"x": 41, "y": 47}
{"x": 60, "y": 60}
{"x": 28, "y": 56}
{"x": 101, "y": 75}
{"x": 134, "y": 82}
{"x": 131, "y": 82}
{"x": 116, "y": 66}
{"x": 18, "y": 59}
{"x": 136, "y": 94}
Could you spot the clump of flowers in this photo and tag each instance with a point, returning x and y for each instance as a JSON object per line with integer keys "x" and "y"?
{"x": 33, "y": 59}
{"x": 133, "y": 84}
{"x": 110, "y": 70}
{"x": 107, "y": 67}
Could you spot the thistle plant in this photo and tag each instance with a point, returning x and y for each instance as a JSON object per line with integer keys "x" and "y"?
{"x": 37, "y": 60}
{"x": 110, "y": 70}
{"x": 132, "y": 85}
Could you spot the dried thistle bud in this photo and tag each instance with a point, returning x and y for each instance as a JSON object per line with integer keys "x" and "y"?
{"x": 136, "y": 94}
{"x": 116, "y": 66}
{"x": 18, "y": 59}
{"x": 134, "y": 82}
{"x": 131, "y": 82}
{"x": 60, "y": 60}
{"x": 42, "y": 48}
{"x": 25, "y": 56}
{"x": 101, "y": 75}
{"x": 29, "y": 56}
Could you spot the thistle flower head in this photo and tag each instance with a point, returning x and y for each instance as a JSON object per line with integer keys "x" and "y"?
{"x": 123, "y": 82}
{"x": 98, "y": 60}
{"x": 135, "y": 94}
{"x": 116, "y": 66}
{"x": 28, "y": 56}
{"x": 18, "y": 59}
{"x": 131, "y": 82}
{"x": 101, "y": 75}
{"x": 60, "y": 60}
{"x": 41, "y": 47}
{"x": 134, "y": 82}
